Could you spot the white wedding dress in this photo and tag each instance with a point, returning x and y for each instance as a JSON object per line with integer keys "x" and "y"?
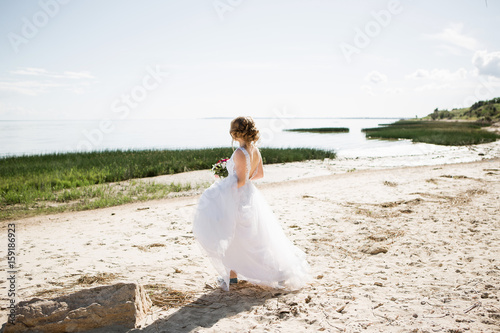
{"x": 239, "y": 232}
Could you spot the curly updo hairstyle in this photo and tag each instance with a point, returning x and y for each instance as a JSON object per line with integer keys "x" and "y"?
{"x": 244, "y": 128}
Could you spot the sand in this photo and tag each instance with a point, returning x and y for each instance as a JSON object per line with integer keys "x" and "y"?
{"x": 434, "y": 231}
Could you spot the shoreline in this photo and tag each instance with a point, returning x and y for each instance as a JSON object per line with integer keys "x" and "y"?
{"x": 343, "y": 164}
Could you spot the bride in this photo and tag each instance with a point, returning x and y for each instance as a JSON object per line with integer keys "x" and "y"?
{"x": 237, "y": 228}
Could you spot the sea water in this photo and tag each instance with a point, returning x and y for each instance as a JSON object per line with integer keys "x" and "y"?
{"x": 59, "y": 136}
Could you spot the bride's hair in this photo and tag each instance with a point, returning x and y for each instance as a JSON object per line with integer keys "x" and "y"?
{"x": 244, "y": 128}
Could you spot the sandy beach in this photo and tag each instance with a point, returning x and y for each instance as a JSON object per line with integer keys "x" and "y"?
{"x": 395, "y": 244}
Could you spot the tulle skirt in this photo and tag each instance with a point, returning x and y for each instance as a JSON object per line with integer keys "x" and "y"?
{"x": 238, "y": 230}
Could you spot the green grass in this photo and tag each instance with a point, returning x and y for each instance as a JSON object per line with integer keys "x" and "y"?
{"x": 33, "y": 185}
{"x": 320, "y": 130}
{"x": 435, "y": 132}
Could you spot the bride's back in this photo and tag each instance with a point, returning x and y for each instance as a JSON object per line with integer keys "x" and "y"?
{"x": 256, "y": 170}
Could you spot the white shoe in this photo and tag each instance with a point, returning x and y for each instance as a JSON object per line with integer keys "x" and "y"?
{"x": 222, "y": 283}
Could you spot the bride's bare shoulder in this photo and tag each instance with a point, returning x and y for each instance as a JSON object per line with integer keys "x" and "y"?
{"x": 239, "y": 155}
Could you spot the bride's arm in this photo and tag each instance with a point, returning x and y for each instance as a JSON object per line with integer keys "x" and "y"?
{"x": 240, "y": 167}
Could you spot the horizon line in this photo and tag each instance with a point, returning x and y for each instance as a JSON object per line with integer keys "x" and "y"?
{"x": 204, "y": 118}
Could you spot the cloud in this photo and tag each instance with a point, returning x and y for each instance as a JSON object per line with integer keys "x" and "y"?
{"x": 453, "y": 35}
{"x": 35, "y": 81}
{"x": 418, "y": 74}
{"x": 375, "y": 77}
{"x": 438, "y": 74}
{"x": 30, "y": 71}
{"x": 368, "y": 90}
{"x": 433, "y": 86}
{"x": 487, "y": 63}
{"x": 394, "y": 91}
{"x": 44, "y": 73}
{"x": 77, "y": 75}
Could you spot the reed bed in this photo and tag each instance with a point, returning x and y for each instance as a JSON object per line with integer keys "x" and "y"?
{"x": 320, "y": 130}
{"x": 32, "y": 185}
{"x": 434, "y": 132}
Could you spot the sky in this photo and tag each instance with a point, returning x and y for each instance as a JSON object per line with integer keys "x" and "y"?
{"x": 162, "y": 59}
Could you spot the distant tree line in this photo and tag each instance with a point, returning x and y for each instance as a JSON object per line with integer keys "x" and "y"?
{"x": 477, "y": 105}
{"x": 482, "y": 111}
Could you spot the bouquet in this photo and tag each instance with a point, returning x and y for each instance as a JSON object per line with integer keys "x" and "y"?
{"x": 219, "y": 168}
